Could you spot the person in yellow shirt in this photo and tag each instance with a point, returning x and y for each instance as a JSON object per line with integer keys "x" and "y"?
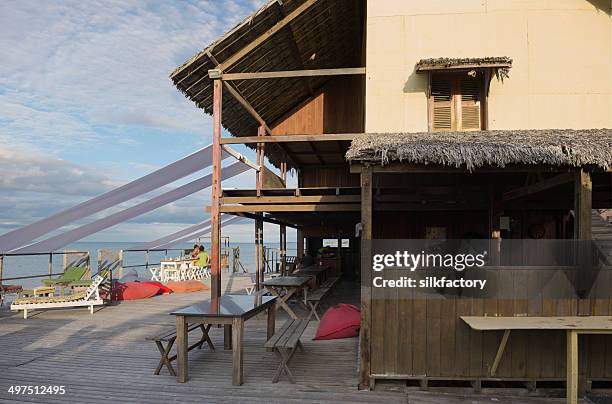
{"x": 203, "y": 258}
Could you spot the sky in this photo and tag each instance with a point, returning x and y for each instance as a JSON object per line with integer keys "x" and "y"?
{"x": 86, "y": 105}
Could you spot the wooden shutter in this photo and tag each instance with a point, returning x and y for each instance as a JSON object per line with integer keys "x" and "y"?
{"x": 442, "y": 106}
{"x": 456, "y": 102}
{"x": 469, "y": 102}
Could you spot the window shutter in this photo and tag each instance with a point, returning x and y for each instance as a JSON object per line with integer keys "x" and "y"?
{"x": 470, "y": 90}
{"x": 441, "y": 94}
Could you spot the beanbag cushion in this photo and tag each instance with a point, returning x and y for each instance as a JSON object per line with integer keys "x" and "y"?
{"x": 186, "y": 286}
{"x": 340, "y": 321}
{"x": 163, "y": 289}
{"x": 134, "y": 290}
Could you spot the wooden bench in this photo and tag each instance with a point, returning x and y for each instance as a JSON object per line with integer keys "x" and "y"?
{"x": 169, "y": 337}
{"x": 284, "y": 343}
{"x": 314, "y": 298}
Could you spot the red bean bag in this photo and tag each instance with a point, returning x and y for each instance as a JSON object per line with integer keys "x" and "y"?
{"x": 163, "y": 289}
{"x": 134, "y": 290}
{"x": 340, "y": 321}
{"x": 187, "y": 286}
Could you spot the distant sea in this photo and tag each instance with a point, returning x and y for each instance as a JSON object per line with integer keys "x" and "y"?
{"x": 35, "y": 265}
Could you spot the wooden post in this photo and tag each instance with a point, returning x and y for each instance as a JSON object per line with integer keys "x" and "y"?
{"x": 283, "y": 229}
{"x": 572, "y": 367}
{"x": 300, "y": 243}
{"x": 51, "y": 265}
{"x": 259, "y": 265}
{"x": 583, "y": 204}
{"x": 583, "y": 191}
{"x": 215, "y": 235}
{"x": 366, "y": 292}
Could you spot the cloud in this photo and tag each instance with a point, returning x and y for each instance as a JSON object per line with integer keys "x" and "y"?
{"x": 25, "y": 171}
{"x": 69, "y": 67}
{"x": 88, "y": 81}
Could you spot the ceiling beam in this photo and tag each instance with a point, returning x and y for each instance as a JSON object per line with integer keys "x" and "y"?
{"x": 263, "y": 37}
{"x": 342, "y": 71}
{"x": 290, "y": 138}
{"x": 543, "y": 185}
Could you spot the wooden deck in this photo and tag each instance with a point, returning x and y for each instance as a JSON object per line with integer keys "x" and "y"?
{"x": 105, "y": 357}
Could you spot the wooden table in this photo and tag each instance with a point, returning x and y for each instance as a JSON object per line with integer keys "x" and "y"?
{"x": 231, "y": 311}
{"x": 291, "y": 285}
{"x": 316, "y": 271}
{"x": 573, "y": 326}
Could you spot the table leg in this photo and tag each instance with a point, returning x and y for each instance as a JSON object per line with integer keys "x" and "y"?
{"x": 238, "y": 330}
{"x": 271, "y": 322}
{"x": 572, "y": 367}
{"x": 500, "y": 352}
{"x": 181, "y": 349}
{"x": 227, "y": 337}
{"x": 282, "y": 300}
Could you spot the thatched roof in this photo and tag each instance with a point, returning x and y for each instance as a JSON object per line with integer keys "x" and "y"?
{"x": 498, "y": 148}
{"x": 463, "y": 63}
{"x": 326, "y": 35}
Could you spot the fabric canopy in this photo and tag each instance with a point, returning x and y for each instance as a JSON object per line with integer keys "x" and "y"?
{"x": 172, "y": 172}
{"x": 61, "y": 240}
{"x": 170, "y": 237}
{"x": 199, "y": 233}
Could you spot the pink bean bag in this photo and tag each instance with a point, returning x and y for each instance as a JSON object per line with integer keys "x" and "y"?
{"x": 134, "y": 290}
{"x": 340, "y": 321}
{"x": 163, "y": 289}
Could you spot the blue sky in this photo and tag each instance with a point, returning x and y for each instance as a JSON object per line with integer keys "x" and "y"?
{"x": 86, "y": 105}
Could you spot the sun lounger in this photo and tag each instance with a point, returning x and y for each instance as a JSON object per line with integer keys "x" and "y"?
{"x": 88, "y": 298}
{"x": 72, "y": 274}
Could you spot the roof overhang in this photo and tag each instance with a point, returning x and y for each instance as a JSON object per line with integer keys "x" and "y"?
{"x": 446, "y": 64}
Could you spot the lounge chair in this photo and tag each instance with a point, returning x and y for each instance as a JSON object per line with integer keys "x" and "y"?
{"x": 88, "y": 298}
{"x": 71, "y": 274}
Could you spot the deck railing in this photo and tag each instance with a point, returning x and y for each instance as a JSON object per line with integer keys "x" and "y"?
{"x": 83, "y": 259}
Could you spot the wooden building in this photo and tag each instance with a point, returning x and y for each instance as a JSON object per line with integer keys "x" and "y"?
{"x": 407, "y": 118}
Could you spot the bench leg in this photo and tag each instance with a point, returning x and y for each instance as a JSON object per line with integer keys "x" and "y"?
{"x": 313, "y": 311}
{"x": 164, "y": 357}
{"x": 285, "y": 355}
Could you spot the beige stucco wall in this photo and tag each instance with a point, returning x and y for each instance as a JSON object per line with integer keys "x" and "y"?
{"x": 562, "y": 51}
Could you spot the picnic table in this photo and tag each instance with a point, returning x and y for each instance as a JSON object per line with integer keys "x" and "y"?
{"x": 229, "y": 310}
{"x": 171, "y": 269}
{"x": 318, "y": 272}
{"x": 573, "y": 326}
{"x": 284, "y": 287}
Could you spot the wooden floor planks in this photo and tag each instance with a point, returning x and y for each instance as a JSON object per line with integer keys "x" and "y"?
{"x": 105, "y": 357}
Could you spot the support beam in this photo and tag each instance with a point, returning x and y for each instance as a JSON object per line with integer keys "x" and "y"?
{"x": 240, "y": 157}
{"x": 242, "y": 101}
{"x": 335, "y": 207}
{"x": 263, "y": 37}
{"x": 215, "y": 234}
{"x": 330, "y": 137}
{"x": 583, "y": 204}
{"x": 366, "y": 273}
{"x": 548, "y": 183}
{"x": 282, "y": 228}
{"x": 281, "y": 74}
{"x": 302, "y": 199}
{"x": 259, "y": 265}
{"x": 265, "y": 219}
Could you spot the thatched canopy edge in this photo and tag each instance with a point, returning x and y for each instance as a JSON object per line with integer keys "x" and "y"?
{"x": 499, "y": 148}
